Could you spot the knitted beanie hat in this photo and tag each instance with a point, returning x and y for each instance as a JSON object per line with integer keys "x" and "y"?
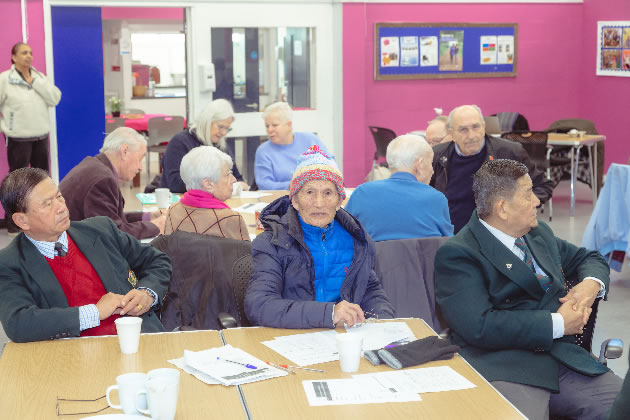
{"x": 315, "y": 164}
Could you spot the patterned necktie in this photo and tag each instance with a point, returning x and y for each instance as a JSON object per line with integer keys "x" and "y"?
{"x": 545, "y": 282}
{"x": 59, "y": 249}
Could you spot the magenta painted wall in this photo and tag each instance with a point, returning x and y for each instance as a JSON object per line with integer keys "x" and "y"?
{"x": 605, "y": 98}
{"x": 10, "y": 33}
{"x": 547, "y": 87}
{"x": 142, "y": 13}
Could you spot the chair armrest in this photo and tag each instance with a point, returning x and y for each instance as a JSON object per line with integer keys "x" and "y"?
{"x": 226, "y": 320}
{"x": 612, "y": 348}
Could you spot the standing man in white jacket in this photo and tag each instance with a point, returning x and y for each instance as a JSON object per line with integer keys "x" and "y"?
{"x": 25, "y": 95}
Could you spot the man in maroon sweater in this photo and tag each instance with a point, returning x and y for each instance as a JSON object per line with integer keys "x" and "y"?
{"x": 91, "y": 188}
{"x": 60, "y": 279}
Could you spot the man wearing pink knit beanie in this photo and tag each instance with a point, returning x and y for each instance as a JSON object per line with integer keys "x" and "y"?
{"x": 313, "y": 265}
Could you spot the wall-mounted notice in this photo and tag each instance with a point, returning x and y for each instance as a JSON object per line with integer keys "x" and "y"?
{"x": 445, "y": 50}
{"x": 613, "y": 48}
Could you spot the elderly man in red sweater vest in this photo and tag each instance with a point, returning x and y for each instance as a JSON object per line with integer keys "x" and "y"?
{"x": 60, "y": 279}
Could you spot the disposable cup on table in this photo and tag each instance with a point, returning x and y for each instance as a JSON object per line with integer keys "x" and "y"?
{"x": 349, "y": 349}
{"x": 128, "y": 329}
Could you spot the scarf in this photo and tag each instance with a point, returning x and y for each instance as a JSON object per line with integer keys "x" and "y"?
{"x": 202, "y": 199}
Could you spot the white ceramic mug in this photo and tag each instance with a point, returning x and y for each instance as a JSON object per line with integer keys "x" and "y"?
{"x": 237, "y": 188}
{"x": 128, "y": 329}
{"x": 128, "y": 386}
{"x": 349, "y": 348}
{"x": 161, "y": 393}
{"x": 161, "y": 372}
{"x": 163, "y": 197}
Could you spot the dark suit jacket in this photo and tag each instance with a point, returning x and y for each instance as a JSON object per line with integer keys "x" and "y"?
{"x": 33, "y": 305}
{"x": 495, "y": 149}
{"x": 91, "y": 189}
{"x": 497, "y": 310}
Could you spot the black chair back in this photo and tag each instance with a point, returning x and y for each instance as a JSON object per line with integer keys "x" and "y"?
{"x": 382, "y": 138}
{"x": 534, "y": 143}
{"x": 241, "y": 273}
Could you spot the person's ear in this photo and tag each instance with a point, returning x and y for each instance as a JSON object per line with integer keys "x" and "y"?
{"x": 290, "y": 123}
{"x": 124, "y": 151}
{"x": 501, "y": 208}
{"x": 21, "y": 220}
{"x": 294, "y": 203}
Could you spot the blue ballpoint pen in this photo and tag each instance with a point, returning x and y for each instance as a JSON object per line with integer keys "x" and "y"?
{"x": 247, "y": 365}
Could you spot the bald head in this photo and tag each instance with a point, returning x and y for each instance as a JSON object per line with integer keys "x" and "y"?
{"x": 437, "y": 131}
{"x": 411, "y": 153}
{"x": 467, "y": 127}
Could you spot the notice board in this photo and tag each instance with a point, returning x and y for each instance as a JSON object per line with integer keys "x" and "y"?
{"x": 444, "y": 50}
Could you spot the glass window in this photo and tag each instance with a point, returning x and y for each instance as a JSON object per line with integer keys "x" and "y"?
{"x": 159, "y": 63}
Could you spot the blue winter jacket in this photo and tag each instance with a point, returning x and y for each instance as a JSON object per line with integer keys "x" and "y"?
{"x": 281, "y": 291}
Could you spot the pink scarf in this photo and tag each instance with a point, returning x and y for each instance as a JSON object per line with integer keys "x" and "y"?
{"x": 203, "y": 200}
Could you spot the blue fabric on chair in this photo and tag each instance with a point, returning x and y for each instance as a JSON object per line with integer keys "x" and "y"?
{"x": 608, "y": 229}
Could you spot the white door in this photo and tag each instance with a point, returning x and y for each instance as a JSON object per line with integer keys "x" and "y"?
{"x": 274, "y": 21}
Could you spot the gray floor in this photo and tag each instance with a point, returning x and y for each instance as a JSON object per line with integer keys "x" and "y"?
{"x": 613, "y": 314}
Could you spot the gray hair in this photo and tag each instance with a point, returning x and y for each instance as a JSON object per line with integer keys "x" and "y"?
{"x": 121, "y": 136}
{"x": 460, "y": 108}
{"x": 282, "y": 109}
{"x": 217, "y": 110}
{"x": 440, "y": 118}
{"x": 496, "y": 179}
{"x": 203, "y": 162}
{"x": 405, "y": 150}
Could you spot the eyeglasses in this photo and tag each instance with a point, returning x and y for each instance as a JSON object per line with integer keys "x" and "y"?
{"x": 61, "y": 412}
{"x": 464, "y": 130}
{"x": 436, "y": 140}
{"x": 224, "y": 128}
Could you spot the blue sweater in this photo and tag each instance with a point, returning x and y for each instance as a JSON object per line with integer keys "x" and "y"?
{"x": 275, "y": 163}
{"x": 400, "y": 208}
{"x": 461, "y": 199}
{"x": 332, "y": 250}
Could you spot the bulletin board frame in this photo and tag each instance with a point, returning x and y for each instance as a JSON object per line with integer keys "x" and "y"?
{"x": 613, "y": 58}
{"x": 468, "y": 34}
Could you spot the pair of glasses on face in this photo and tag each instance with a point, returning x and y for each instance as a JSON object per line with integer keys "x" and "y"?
{"x": 223, "y": 128}
{"x": 464, "y": 129}
{"x": 370, "y": 317}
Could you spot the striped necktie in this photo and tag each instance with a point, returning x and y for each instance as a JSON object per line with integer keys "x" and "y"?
{"x": 544, "y": 281}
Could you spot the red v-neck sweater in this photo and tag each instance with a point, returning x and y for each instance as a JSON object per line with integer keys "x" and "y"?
{"x": 81, "y": 285}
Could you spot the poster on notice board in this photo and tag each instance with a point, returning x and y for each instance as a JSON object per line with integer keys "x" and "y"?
{"x": 613, "y": 48}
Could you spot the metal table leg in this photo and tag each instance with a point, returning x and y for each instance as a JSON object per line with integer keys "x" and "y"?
{"x": 574, "y": 168}
{"x": 593, "y": 164}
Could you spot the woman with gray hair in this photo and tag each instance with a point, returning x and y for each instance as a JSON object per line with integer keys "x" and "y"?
{"x": 210, "y": 129}
{"x": 207, "y": 173}
{"x": 276, "y": 159}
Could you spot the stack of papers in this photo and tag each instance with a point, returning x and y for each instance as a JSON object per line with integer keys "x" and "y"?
{"x": 250, "y": 208}
{"x": 226, "y": 365}
{"x": 320, "y": 347}
{"x": 306, "y": 349}
{"x": 394, "y": 386}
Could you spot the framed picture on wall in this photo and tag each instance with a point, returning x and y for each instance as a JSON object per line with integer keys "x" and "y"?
{"x": 613, "y": 48}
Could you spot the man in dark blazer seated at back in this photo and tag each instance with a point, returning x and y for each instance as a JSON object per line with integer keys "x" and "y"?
{"x": 60, "y": 279}
{"x": 91, "y": 188}
{"x": 455, "y": 162}
{"x": 510, "y": 313}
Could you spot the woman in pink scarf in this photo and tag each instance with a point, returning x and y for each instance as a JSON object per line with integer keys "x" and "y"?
{"x": 207, "y": 173}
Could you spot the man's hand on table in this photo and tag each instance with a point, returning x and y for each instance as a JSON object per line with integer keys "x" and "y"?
{"x": 136, "y": 302}
{"x": 159, "y": 221}
{"x": 348, "y": 313}
{"x": 244, "y": 185}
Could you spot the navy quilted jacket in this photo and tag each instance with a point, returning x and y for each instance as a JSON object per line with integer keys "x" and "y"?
{"x": 281, "y": 292}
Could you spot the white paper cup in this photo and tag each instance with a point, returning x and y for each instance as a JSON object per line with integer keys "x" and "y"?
{"x": 128, "y": 329}
{"x": 349, "y": 349}
{"x": 237, "y": 188}
{"x": 163, "y": 198}
{"x": 128, "y": 386}
{"x": 161, "y": 393}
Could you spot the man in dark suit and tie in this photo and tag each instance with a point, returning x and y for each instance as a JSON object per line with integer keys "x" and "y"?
{"x": 60, "y": 279}
{"x": 500, "y": 284}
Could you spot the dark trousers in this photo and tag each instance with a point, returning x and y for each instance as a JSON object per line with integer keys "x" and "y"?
{"x": 22, "y": 154}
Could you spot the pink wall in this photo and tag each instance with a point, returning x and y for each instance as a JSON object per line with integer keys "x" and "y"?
{"x": 546, "y": 88}
{"x": 10, "y": 33}
{"x": 605, "y": 98}
{"x": 142, "y": 13}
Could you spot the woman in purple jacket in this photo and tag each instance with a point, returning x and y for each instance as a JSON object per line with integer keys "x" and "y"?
{"x": 313, "y": 265}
